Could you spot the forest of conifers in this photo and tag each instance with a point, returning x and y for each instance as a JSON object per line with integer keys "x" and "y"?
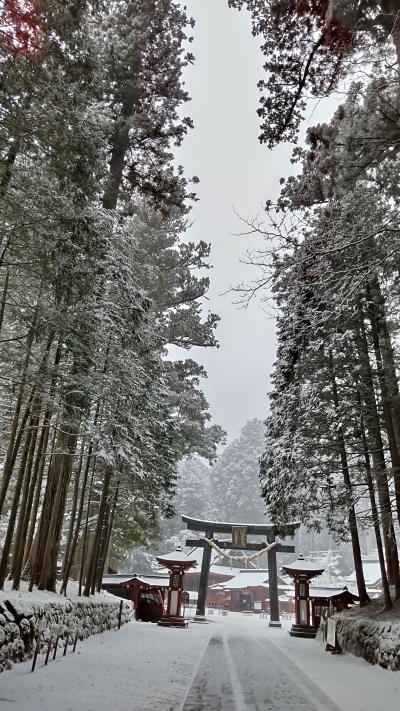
{"x": 97, "y": 280}
{"x": 331, "y": 257}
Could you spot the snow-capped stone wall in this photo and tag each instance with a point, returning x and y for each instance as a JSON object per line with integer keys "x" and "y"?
{"x": 370, "y": 634}
{"x": 20, "y": 620}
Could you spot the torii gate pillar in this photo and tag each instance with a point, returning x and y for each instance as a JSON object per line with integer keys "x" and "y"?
{"x": 274, "y": 620}
{"x": 203, "y": 585}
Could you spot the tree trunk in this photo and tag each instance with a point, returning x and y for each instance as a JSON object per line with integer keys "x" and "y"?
{"x": 9, "y": 165}
{"x": 103, "y": 557}
{"x": 36, "y": 486}
{"x": 74, "y": 542}
{"x": 14, "y": 510}
{"x": 15, "y": 436}
{"x": 83, "y": 566}
{"x": 90, "y": 585}
{"x": 120, "y": 145}
{"x": 387, "y": 378}
{"x": 14, "y": 440}
{"x": 15, "y": 145}
{"x": 35, "y": 560}
{"x": 372, "y": 423}
{"x": 74, "y": 507}
{"x": 41, "y": 459}
{"x": 391, "y": 21}
{"x": 4, "y": 297}
{"x": 375, "y": 515}
{"x": 60, "y": 475}
{"x": 98, "y": 573}
{"x": 355, "y": 541}
{"x": 26, "y": 501}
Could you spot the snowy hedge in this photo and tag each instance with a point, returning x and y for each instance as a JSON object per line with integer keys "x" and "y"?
{"x": 19, "y": 621}
{"x": 370, "y": 633}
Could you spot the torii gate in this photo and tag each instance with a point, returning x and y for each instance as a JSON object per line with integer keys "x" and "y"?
{"x": 239, "y": 532}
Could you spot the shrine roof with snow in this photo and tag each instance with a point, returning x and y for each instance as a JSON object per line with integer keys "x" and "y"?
{"x": 177, "y": 557}
{"x": 372, "y": 573}
{"x": 303, "y": 567}
{"x": 159, "y": 581}
{"x": 330, "y": 593}
{"x": 117, "y": 579}
{"x": 224, "y": 570}
{"x": 246, "y": 579}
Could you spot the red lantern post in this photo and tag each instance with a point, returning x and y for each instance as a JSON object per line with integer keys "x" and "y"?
{"x": 177, "y": 564}
{"x": 301, "y": 572}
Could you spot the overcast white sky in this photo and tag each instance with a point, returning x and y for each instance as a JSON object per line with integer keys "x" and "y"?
{"x": 236, "y": 173}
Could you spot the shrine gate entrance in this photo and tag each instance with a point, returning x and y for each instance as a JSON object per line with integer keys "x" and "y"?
{"x": 239, "y": 533}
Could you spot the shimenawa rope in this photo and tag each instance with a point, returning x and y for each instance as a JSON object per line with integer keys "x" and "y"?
{"x": 238, "y": 559}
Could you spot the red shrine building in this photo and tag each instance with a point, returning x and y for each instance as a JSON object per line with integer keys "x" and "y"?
{"x": 129, "y": 587}
{"x": 218, "y": 574}
{"x": 248, "y": 591}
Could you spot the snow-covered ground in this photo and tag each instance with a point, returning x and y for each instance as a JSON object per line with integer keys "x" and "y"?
{"x": 43, "y": 596}
{"x": 235, "y": 663}
{"x": 352, "y": 683}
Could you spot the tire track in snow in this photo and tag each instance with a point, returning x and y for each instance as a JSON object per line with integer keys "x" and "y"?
{"x": 244, "y": 673}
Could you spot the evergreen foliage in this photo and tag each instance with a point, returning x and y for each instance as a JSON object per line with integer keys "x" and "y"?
{"x": 309, "y": 46}
{"x": 96, "y": 284}
{"x": 331, "y": 258}
{"x": 235, "y": 480}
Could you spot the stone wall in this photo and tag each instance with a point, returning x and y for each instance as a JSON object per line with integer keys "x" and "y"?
{"x": 375, "y": 637}
{"x": 20, "y": 620}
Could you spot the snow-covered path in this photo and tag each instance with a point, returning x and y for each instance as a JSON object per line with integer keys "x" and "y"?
{"x": 234, "y": 663}
{"x": 251, "y": 675}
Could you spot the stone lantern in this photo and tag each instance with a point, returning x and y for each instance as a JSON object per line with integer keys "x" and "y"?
{"x": 177, "y": 564}
{"x": 302, "y": 571}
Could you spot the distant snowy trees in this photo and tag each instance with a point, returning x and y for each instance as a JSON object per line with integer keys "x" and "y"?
{"x": 235, "y": 484}
{"x": 331, "y": 258}
{"x": 96, "y": 283}
{"x": 229, "y": 490}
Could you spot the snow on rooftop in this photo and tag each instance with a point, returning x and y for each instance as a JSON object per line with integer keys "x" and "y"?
{"x": 328, "y": 592}
{"x": 306, "y": 566}
{"x": 286, "y": 579}
{"x": 116, "y": 579}
{"x": 223, "y": 570}
{"x": 179, "y": 556}
{"x": 371, "y": 568}
{"x": 246, "y": 579}
{"x": 372, "y": 573}
{"x": 286, "y": 589}
{"x": 154, "y": 580}
{"x": 196, "y": 553}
